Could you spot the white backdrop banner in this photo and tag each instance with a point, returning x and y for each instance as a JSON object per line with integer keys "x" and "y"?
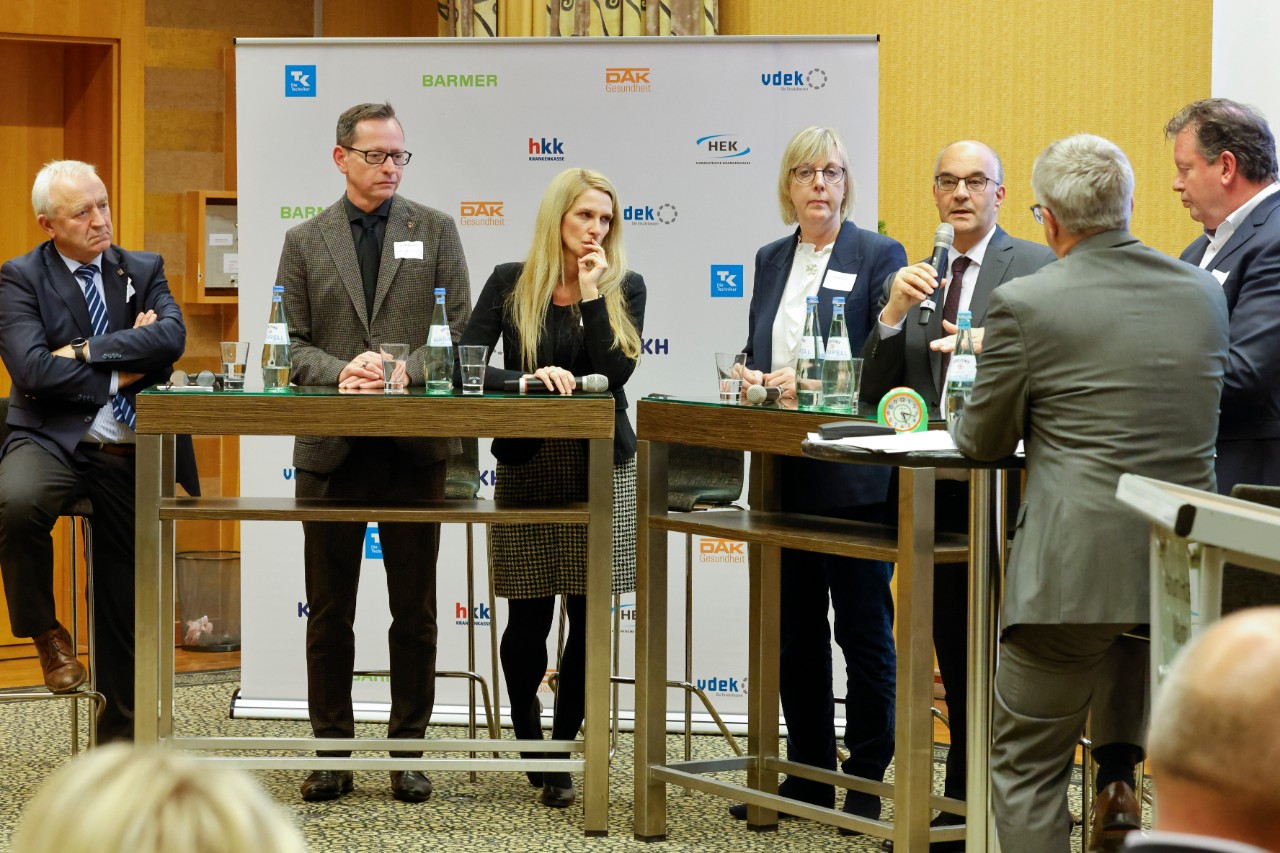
{"x": 691, "y": 132}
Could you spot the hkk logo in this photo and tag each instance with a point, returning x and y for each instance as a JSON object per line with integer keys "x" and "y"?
{"x": 544, "y": 149}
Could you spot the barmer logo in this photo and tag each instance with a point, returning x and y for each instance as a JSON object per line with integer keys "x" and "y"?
{"x": 726, "y": 280}
{"x": 299, "y": 81}
{"x": 299, "y": 212}
{"x": 722, "y": 551}
{"x": 795, "y": 80}
{"x": 459, "y": 81}
{"x": 546, "y": 149}
{"x": 643, "y": 214}
{"x": 481, "y": 213}
{"x": 627, "y": 80}
{"x": 723, "y": 149}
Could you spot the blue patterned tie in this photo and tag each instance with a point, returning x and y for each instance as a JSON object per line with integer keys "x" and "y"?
{"x": 98, "y": 316}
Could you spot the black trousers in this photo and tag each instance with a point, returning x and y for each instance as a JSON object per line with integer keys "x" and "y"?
{"x": 333, "y": 552}
{"x": 35, "y": 489}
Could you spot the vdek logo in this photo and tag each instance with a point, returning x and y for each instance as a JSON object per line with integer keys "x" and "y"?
{"x": 299, "y": 81}
{"x": 726, "y": 280}
{"x": 542, "y": 149}
{"x": 723, "y": 686}
{"x": 481, "y": 213}
{"x": 795, "y": 81}
{"x": 721, "y": 551}
{"x": 480, "y": 616}
{"x": 663, "y": 214}
{"x": 723, "y": 148}
{"x": 627, "y": 80}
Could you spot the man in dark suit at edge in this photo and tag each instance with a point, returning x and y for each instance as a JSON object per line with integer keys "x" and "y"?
{"x": 968, "y": 190}
{"x": 358, "y": 274}
{"x": 84, "y": 326}
{"x": 1225, "y": 156}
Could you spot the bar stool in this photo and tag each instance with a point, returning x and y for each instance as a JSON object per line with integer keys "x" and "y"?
{"x": 81, "y": 511}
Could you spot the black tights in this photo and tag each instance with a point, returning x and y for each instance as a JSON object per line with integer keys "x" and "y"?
{"x": 524, "y": 663}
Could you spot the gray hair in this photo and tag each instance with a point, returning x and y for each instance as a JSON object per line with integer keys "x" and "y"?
{"x": 1087, "y": 182}
{"x": 56, "y": 170}
{"x": 362, "y": 112}
{"x": 1223, "y": 125}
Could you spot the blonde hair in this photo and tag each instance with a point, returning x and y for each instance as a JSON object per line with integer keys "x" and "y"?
{"x": 812, "y": 145}
{"x": 151, "y": 801}
{"x": 544, "y": 268}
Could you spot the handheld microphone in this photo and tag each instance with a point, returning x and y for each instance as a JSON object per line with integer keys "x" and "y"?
{"x": 942, "y": 239}
{"x": 763, "y": 393}
{"x": 592, "y": 383}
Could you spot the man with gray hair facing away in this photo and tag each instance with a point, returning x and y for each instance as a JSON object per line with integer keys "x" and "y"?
{"x": 1097, "y": 385}
{"x": 1213, "y": 748}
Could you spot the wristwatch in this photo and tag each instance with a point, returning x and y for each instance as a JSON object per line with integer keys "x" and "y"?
{"x": 77, "y": 346}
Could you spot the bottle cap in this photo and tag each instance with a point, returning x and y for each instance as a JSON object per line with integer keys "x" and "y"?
{"x": 277, "y": 288}
{"x": 964, "y": 317}
{"x": 812, "y": 300}
{"x": 439, "y": 291}
{"x": 838, "y": 300}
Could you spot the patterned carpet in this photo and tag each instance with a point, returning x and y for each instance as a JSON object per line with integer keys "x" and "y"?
{"x": 498, "y": 812}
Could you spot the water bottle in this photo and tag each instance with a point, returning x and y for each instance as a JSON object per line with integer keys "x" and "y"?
{"x": 837, "y": 362}
{"x": 275, "y": 347}
{"x": 437, "y": 363}
{"x": 961, "y": 372}
{"x": 809, "y": 359}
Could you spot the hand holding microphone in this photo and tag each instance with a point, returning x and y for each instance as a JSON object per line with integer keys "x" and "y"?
{"x": 592, "y": 383}
{"x": 942, "y": 239}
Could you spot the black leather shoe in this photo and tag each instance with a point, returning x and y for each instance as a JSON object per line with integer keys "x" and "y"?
{"x": 943, "y": 819}
{"x": 557, "y": 797}
{"x": 410, "y": 786}
{"x": 326, "y": 785}
{"x": 861, "y": 804}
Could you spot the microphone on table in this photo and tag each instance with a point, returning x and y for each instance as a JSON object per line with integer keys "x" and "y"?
{"x": 592, "y": 383}
{"x": 763, "y": 393}
{"x": 942, "y": 239}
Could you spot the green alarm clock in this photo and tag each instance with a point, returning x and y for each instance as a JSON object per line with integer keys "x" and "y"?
{"x": 904, "y": 410}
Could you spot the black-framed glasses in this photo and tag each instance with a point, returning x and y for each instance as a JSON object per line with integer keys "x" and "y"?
{"x": 1037, "y": 210}
{"x": 377, "y": 158}
{"x": 973, "y": 183}
{"x": 806, "y": 174}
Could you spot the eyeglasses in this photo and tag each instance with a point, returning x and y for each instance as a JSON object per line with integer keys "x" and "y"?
{"x": 806, "y": 174}
{"x": 205, "y": 380}
{"x": 974, "y": 183}
{"x": 1037, "y": 210}
{"x": 377, "y": 158}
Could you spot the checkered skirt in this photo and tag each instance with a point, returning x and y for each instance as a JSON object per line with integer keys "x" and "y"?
{"x": 541, "y": 560}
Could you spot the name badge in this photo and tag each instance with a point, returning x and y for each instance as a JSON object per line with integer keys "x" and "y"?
{"x": 842, "y": 281}
{"x": 408, "y": 249}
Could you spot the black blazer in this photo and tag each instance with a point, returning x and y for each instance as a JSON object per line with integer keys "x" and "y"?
{"x": 489, "y": 321}
{"x": 808, "y": 485}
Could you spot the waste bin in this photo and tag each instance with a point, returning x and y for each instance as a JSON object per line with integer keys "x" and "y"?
{"x": 209, "y": 600}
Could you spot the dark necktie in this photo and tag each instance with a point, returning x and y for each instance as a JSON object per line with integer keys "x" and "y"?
{"x": 120, "y": 405}
{"x": 951, "y": 308}
{"x": 369, "y": 254}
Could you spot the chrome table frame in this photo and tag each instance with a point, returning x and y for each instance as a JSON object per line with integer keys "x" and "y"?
{"x": 316, "y": 411}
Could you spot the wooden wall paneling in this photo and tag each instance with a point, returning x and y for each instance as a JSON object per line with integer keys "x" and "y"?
{"x": 89, "y": 114}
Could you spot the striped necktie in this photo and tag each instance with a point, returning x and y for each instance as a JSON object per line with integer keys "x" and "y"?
{"x": 120, "y": 406}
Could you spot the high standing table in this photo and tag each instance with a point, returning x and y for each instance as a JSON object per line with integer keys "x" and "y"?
{"x": 326, "y": 411}
{"x": 768, "y": 432}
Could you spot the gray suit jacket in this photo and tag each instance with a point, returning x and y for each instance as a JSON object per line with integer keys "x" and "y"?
{"x": 324, "y": 306}
{"x": 906, "y": 359}
{"x": 1076, "y": 362}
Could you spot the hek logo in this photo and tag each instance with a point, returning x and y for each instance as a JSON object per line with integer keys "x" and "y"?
{"x": 643, "y": 214}
{"x": 544, "y": 149}
{"x": 475, "y": 213}
{"x": 299, "y": 81}
{"x": 723, "y": 149}
{"x": 726, "y": 280}
{"x": 627, "y": 80}
{"x": 795, "y": 80}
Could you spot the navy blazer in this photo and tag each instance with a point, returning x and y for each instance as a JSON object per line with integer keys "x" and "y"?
{"x": 54, "y": 400}
{"x": 1251, "y": 263}
{"x": 806, "y": 484}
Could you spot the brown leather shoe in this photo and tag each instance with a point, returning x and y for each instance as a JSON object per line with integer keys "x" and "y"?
{"x": 62, "y": 672}
{"x": 1116, "y": 813}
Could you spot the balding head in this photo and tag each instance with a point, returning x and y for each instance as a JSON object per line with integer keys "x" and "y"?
{"x": 1214, "y": 747}
{"x": 972, "y": 213}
